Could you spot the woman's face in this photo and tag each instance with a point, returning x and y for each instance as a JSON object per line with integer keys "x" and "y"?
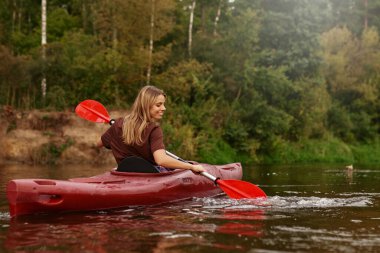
{"x": 158, "y": 108}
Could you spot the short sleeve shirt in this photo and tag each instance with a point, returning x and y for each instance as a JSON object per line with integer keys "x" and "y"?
{"x": 152, "y": 141}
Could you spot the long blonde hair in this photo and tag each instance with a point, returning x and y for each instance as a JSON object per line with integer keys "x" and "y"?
{"x": 138, "y": 119}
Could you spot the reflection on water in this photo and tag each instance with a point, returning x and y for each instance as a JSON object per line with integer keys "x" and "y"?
{"x": 142, "y": 230}
{"x": 309, "y": 209}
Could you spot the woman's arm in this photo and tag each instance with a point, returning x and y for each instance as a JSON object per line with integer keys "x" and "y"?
{"x": 162, "y": 159}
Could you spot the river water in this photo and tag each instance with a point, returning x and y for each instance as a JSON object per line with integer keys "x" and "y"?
{"x": 321, "y": 208}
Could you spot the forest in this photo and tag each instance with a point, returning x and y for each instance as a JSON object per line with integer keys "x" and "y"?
{"x": 260, "y": 81}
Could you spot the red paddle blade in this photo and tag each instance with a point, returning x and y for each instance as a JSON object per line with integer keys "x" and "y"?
{"x": 237, "y": 189}
{"x": 93, "y": 111}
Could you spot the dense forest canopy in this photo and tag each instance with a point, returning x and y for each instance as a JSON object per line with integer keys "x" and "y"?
{"x": 257, "y": 80}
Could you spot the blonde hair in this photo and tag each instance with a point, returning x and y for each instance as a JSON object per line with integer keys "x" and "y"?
{"x": 138, "y": 119}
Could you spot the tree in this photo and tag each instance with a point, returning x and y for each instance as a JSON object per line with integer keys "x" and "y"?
{"x": 15, "y": 80}
{"x": 43, "y": 45}
{"x": 191, "y": 21}
{"x": 352, "y": 73}
{"x": 289, "y": 36}
{"x": 356, "y": 15}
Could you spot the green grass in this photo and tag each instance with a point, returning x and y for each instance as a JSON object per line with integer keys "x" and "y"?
{"x": 217, "y": 152}
{"x": 323, "y": 151}
{"x": 367, "y": 153}
{"x": 332, "y": 150}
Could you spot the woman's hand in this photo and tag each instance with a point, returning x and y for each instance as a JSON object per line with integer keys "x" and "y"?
{"x": 197, "y": 168}
{"x": 164, "y": 160}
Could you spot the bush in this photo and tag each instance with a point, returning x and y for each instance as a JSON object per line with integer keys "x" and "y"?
{"x": 311, "y": 151}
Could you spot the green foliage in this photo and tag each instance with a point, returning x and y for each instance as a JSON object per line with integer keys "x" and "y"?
{"x": 59, "y": 21}
{"x": 288, "y": 37}
{"x": 272, "y": 85}
{"x": 352, "y": 72}
{"x": 56, "y": 98}
{"x": 310, "y": 109}
{"x": 369, "y": 153}
{"x": 268, "y": 95}
{"x": 236, "y": 135}
{"x": 329, "y": 150}
{"x": 183, "y": 140}
{"x": 23, "y": 43}
{"x": 185, "y": 82}
{"x": 310, "y": 151}
{"x": 217, "y": 152}
{"x": 340, "y": 123}
{"x": 15, "y": 79}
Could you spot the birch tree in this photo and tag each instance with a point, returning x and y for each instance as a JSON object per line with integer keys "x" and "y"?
{"x": 43, "y": 45}
{"x": 192, "y": 8}
{"x": 217, "y": 17}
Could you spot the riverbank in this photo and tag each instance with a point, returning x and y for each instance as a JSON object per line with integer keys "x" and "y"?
{"x": 38, "y": 137}
{"x": 41, "y": 137}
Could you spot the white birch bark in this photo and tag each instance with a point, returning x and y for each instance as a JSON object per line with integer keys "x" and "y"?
{"x": 217, "y": 17}
{"x": 43, "y": 44}
{"x": 191, "y": 26}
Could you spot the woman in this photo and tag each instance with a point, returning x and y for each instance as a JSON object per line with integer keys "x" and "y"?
{"x": 139, "y": 134}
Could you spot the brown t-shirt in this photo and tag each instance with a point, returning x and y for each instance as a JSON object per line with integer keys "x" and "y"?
{"x": 152, "y": 140}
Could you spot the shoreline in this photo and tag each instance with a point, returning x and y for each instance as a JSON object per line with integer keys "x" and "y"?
{"x": 43, "y": 137}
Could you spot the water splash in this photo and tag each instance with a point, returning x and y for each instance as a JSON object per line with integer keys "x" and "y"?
{"x": 319, "y": 202}
{"x": 287, "y": 202}
{"x": 5, "y": 216}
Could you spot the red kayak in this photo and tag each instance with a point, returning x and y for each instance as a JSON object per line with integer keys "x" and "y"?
{"x": 113, "y": 190}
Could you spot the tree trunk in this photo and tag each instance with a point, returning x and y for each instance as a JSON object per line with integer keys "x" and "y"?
{"x": 191, "y": 26}
{"x": 114, "y": 27}
{"x": 365, "y": 14}
{"x": 217, "y": 17}
{"x": 19, "y": 18}
{"x": 43, "y": 44}
{"x": 84, "y": 16}
{"x": 151, "y": 37}
{"x": 14, "y": 14}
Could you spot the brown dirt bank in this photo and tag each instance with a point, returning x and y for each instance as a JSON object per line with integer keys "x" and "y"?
{"x": 50, "y": 137}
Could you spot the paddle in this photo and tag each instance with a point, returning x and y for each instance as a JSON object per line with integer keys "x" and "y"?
{"x": 94, "y": 111}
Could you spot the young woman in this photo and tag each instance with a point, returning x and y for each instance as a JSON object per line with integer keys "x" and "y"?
{"x": 139, "y": 134}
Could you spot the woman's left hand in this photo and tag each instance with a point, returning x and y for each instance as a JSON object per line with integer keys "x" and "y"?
{"x": 197, "y": 168}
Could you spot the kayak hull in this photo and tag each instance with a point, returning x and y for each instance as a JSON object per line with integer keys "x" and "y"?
{"x": 113, "y": 189}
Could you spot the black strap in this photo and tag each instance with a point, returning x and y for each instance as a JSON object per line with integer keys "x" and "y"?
{"x": 136, "y": 164}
